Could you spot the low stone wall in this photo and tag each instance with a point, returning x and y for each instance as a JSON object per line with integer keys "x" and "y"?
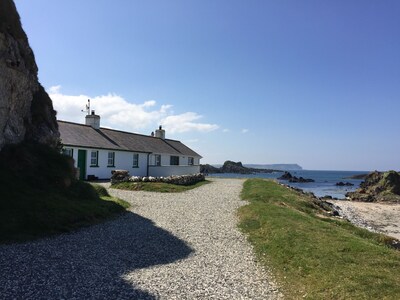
{"x": 123, "y": 176}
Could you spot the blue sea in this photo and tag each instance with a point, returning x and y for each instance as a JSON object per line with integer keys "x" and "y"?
{"x": 324, "y": 185}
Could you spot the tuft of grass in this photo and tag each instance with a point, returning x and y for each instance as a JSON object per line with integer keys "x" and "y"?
{"x": 39, "y": 196}
{"x": 159, "y": 187}
{"x": 316, "y": 257}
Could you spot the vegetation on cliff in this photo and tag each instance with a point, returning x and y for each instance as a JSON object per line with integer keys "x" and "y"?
{"x": 40, "y": 196}
{"x": 314, "y": 256}
{"x": 378, "y": 187}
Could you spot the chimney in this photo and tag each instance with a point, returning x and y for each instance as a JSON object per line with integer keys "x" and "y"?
{"x": 160, "y": 133}
{"x": 93, "y": 120}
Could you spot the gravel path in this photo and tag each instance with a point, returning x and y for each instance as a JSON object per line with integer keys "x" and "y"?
{"x": 170, "y": 246}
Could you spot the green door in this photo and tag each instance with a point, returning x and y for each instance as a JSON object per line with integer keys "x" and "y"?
{"x": 82, "y": 164}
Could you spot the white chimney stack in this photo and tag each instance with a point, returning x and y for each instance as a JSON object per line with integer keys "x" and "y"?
{"x": 93, "y": 120}
{"x": 160, "y": 133}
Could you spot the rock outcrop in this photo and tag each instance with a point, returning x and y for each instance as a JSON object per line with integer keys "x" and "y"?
{"x": 233, "y": 167}
{"x": 289, "y": 177}
{"x": 209, "y": 169}
{"x": 341, "y": 183}
{"x": 26, "y": 111}
{"x": 378, "y": 187}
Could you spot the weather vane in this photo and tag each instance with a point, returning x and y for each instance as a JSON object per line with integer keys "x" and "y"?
{"x": 87, "y": 110}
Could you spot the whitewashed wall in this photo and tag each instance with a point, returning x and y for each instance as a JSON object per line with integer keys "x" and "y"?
{"x": 165, "y": 171}
{"x": 124, "y": 160}
{"x": 166, "y": 159}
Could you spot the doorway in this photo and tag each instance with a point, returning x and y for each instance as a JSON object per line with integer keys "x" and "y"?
{"x": 82, "y": 164}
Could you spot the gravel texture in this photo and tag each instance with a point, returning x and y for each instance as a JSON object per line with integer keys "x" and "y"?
{"x": 169, "y": 246}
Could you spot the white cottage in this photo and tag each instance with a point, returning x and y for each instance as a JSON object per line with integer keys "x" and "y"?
{"x": 97, "y": 151}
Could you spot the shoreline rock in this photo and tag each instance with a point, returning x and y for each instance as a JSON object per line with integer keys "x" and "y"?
{"x": 293, "y": 179}
{"x": 344, "y": 184}
{"x": 378, "y": 187}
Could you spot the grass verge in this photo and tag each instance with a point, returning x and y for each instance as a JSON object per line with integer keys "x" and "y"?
{"x": 160, "y": 187}
{"x": 38, "y": 196}
{"x": 312, "y": 256}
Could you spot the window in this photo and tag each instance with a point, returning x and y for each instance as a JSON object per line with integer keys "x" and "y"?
{"x": 157, "y": 158}
{"x": 111, "y": 158}
{"x": 135, "y": 163}
{"x": 174, "y": 161}
{"x": 190, "y": 161}
{"x": 68, "y": 152}
{"x": 94, "y": 159}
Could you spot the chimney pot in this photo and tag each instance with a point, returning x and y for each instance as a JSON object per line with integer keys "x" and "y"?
{"x": 93, "y": 120}
{"x": 160, "y": 133}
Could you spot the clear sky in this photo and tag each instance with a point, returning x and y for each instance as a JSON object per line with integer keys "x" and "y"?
{"x": 312, "y": 82}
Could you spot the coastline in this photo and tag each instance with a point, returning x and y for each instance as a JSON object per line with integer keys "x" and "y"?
{"x": 324, "y": 181}
{"x": 377, "y": 217}
{"x": 374, "y": 216}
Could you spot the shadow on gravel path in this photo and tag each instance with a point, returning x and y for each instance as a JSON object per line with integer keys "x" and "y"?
{"x": 89, "y": 263}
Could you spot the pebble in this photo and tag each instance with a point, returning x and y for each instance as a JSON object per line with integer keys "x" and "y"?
{"x": 168, "y": 246}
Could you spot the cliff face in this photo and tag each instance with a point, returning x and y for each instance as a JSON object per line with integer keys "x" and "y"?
{"x": 26, "y": 111}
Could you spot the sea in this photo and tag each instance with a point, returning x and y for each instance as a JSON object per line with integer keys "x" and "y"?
{"x": 324, "y": 185}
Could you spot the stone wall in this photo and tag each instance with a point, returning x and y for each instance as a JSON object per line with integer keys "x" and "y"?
{"x": 123, "y": 176}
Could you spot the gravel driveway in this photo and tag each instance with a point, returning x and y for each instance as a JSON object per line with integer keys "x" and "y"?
{"x": 169, "y": 246}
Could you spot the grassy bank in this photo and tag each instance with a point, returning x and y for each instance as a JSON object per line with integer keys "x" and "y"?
{"x": 313, "y": 256}
{"x": 160, "y": 187}
{"x": 39, "y": 197}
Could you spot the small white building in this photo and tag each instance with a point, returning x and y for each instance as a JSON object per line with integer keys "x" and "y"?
{"x": 97, "y": 151}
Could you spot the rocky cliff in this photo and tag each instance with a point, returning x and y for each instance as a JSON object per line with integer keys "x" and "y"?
{"x": 26, "y": 111}
{"x": 378, "y": 186}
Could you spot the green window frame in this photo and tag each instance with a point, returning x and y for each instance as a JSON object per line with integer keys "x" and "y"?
{"x": 157, "y": 159}
{"x": 111, "y": 159}
{"x": 94, "y": 158}
{"x": 174, "y": 160}
{"x": 135, "y": 162}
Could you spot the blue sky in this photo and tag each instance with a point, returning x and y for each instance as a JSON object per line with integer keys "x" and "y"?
{"x": 310, "y": 82}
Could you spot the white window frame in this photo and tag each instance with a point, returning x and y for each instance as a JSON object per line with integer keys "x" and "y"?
{"x": 191, "y": 161}
{"x": 135, "y": 161}
{"x": 111, "y": 159}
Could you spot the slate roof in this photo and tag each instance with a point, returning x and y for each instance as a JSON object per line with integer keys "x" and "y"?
{"x": 74, "y": 134}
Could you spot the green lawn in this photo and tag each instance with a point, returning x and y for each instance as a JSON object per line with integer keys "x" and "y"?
{"x": 160, "y": 187}
{"x": 313, "y": 256}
